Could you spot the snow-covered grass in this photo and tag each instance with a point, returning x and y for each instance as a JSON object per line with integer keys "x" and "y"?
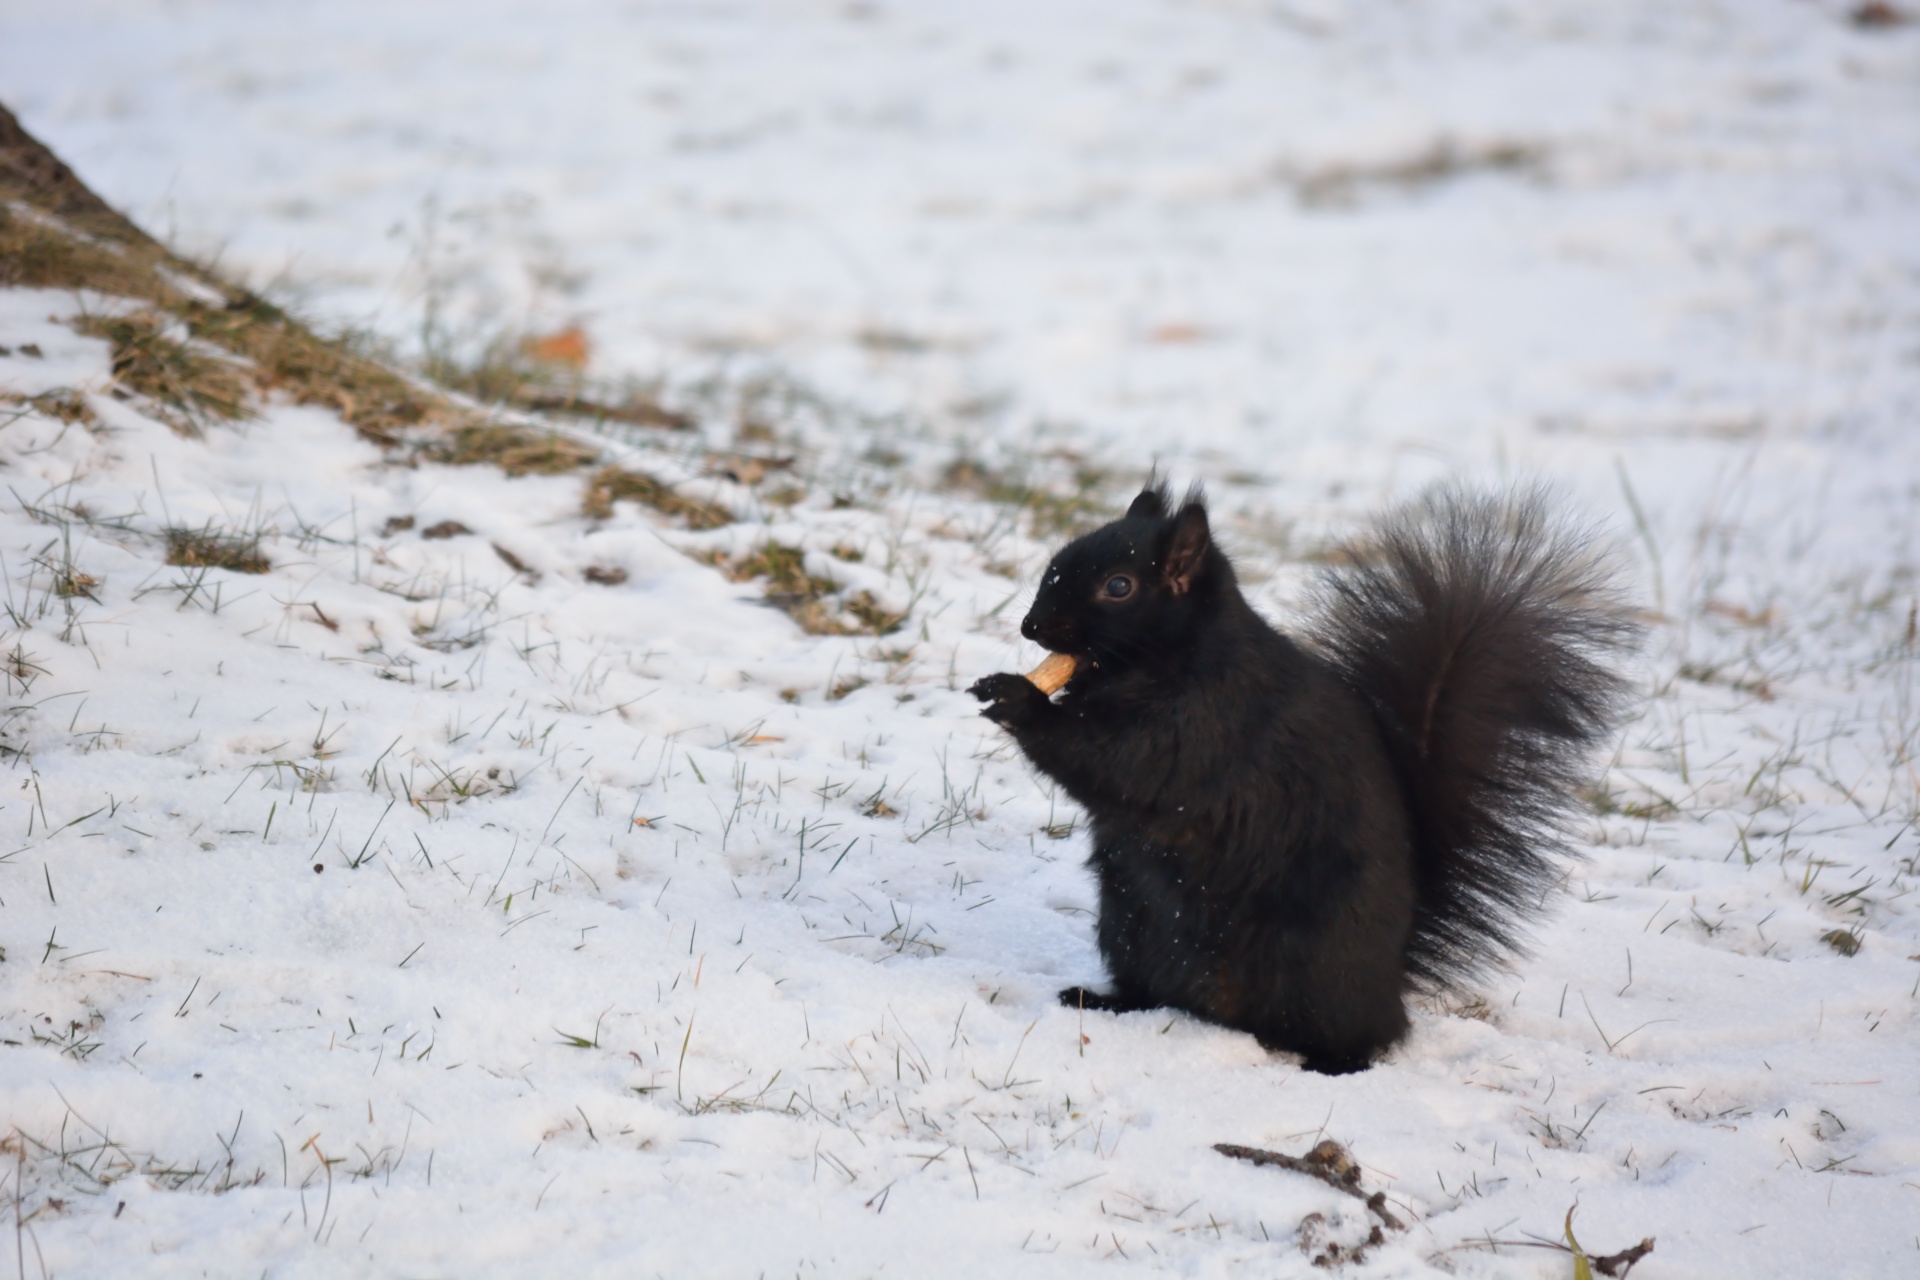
{"x": 536, "y": 899}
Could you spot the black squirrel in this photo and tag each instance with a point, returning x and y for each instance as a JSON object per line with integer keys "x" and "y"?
{"x": 1289, "y": 837}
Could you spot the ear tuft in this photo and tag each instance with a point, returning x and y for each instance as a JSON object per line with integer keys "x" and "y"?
{"x": 1155, "y": 500}
{"x": 1192, "y": 538}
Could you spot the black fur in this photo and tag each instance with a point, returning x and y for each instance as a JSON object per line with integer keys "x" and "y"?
{"x": 1289, "y": 837}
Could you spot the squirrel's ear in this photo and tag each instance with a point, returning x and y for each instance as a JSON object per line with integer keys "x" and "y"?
{"x": 1154, "y": 502}
{"x": 1187, "y": 549}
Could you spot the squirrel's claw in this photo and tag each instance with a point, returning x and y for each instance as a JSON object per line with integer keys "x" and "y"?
{"x": 997, "y": 687}
{"x": 1010, "y": 698}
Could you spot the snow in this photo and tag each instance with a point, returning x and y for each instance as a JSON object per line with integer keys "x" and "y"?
{"x": 1318, "y": 255}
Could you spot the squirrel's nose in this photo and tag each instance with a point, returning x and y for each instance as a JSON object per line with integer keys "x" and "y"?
{"x": 1029, "y": 629}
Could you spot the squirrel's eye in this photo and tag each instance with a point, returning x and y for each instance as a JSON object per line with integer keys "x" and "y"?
{"x": 1119, "y": 587}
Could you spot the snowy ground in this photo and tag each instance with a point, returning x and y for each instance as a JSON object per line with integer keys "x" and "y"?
{"x": 399, "y": 912}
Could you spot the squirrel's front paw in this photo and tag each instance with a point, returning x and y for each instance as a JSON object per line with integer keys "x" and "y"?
{"x": 1011, "y": 699}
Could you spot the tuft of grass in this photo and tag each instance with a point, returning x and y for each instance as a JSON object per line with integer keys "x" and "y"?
{"x": 1843, "y": 941}
{"x": 809, "y": 599}
{"x": 785, "y": 569}
{"x": 632, "y": 410}
{"x": 69, "y": 582}
{"x": 874, "y": 619}
{"x": 21, "y": 669}
{"x": 188, "y": 386}
{"x": 35, "y": 253}
{"x": 209, "y": 548}
{"x": 617, "y": 484}
{"x": 65, "y": 405}
{"x": 1605, "y": 802}
{"x": 515, "y": 450}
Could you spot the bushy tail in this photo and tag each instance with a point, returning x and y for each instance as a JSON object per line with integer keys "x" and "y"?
{"x": 1487, "y": 633}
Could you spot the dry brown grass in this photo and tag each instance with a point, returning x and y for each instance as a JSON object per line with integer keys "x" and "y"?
{"x": 187, "y": 387}
{"x": 382, "y": 405}
{"x": 609, "y": 485}
{"x": 38, "y": 252}
{"x": 515, "y": 450}
{"x": 816, "y": 603}
{"x": 65, "y": 406}
{"x": 785, "y": 570}
{"x": 874, "y": 619}
{"x": 210, "y": 548}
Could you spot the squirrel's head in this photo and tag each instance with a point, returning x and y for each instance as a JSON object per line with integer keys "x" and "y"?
{"x": 1126, "y": 593}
